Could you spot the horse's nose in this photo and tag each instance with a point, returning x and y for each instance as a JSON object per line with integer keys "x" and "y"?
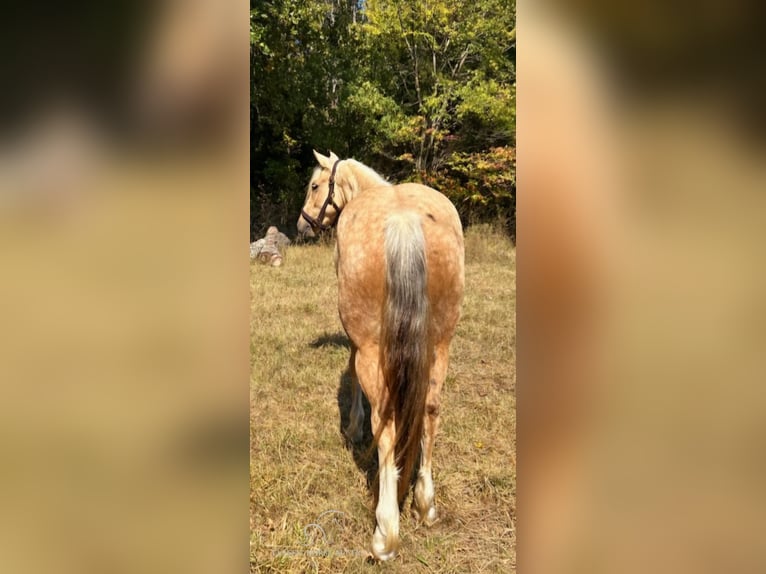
{"x": 304, "y": 229}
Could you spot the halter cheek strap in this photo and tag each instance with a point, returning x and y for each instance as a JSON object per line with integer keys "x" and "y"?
{"x": 316, "y": 223}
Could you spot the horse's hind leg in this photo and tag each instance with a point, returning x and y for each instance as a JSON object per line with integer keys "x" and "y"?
{"x": 385, "y": 539}
{"x": 356, "y": 416}
{"x": 425, "y": 509}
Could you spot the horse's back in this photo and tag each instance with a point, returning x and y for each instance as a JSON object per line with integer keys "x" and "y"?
{"x": 367, "y": 213}
{"x": 361, "y": 262}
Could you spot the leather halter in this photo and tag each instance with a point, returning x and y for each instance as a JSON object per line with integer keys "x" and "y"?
{"x": 317, "y": 223}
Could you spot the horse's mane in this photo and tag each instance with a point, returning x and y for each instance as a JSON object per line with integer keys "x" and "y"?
{"x": 370, "y": 174}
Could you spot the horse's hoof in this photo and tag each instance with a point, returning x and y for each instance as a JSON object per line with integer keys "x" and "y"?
{"x": 430, "y": 518}
{"x": 384, "y": 547}
{"x": 383, "y": 556}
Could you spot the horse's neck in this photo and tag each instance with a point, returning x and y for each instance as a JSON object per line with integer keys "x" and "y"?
{"x": 364, "y": 178}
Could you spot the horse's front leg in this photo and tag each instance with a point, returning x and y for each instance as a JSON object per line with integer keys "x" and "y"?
{"x": 356, "y": 416}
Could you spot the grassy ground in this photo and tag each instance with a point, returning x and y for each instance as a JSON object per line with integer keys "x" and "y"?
{"x": 310, "y": 505}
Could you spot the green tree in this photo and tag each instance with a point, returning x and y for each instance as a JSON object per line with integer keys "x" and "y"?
{"x": 439, "y": 77}
{"x": 421, "y": 90}
{"x": 300, "y": 55}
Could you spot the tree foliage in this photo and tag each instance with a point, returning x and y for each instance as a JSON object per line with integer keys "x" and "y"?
{"x": 420, "y": 90}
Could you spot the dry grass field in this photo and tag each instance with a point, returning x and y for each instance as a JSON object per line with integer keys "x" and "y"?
{"x": 310, "y": 505}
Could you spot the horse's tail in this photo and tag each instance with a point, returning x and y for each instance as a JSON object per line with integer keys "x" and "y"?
{"x": 405, "y": 347}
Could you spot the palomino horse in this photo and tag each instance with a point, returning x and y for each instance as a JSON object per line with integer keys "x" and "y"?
{"x": 400, "y": 266}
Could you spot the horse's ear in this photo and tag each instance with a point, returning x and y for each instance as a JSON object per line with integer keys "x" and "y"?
{"x": 333, "y": 157}
{"x": 325, "y": 162}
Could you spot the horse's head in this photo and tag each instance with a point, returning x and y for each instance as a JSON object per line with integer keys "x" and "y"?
{"x": 323, "y": 201}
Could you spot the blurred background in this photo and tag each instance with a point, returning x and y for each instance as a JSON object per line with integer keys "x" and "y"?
{"x": 641, "y": 317}
{"x": 123, "y": 244}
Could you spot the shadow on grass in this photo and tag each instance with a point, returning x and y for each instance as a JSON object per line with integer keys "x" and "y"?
{"x": 338, "y": 339}
{"x": 365, "y": 457}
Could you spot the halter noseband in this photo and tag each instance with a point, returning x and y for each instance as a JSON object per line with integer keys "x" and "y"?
{"x": 317, "y": 223}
